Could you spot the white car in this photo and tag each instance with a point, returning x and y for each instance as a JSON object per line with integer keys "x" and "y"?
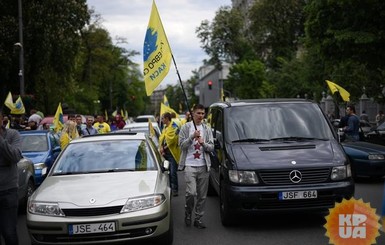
{"x": 145, "y": 118}
{"x": 143, "y": 127}
{"x": 104, "y": 189}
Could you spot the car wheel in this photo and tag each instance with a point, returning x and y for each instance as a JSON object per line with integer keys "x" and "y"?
{"x": 225, "y": 211}
{"x": 168, "y": 237}
{"x": 30, "y": 189}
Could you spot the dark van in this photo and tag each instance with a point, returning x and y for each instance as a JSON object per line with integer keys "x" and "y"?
{"x": 276, "y": 155}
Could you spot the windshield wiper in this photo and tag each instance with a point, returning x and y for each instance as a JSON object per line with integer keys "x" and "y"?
{"x": 297, "y": 138}
{"x": 250, "y": 140}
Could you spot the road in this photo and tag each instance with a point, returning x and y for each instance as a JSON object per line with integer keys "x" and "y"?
{"x": 288, "y": 229}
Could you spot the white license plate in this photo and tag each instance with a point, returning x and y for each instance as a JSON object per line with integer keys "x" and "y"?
{"x": 91, "y": 228}
{"x": 290, "y": 195}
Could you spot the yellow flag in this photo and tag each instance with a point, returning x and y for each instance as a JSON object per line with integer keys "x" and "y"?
{"x": 58, "y": 120}
{"x": 9, "y": 101}
{"x": 164, "y": 109}
{"x": 165, "y": 101}
{"x": 105, "y": 115}
{"x": 151, "y": 129}
{"x": 337, "y": 88}
{"x": 156, "y": 52}
{"x": 18, "y": 107}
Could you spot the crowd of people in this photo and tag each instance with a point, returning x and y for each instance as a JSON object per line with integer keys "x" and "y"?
{"x": 184, "y": 143}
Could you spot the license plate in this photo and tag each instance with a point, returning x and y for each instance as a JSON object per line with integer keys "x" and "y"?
{"x": 290, "y": 195}
{"x": 91, "y": 228}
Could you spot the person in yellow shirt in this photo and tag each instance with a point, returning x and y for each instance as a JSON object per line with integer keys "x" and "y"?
{"x": 101, "y": 125}
{"x": 68, "y": 133}
{"x": 168, "y": 147}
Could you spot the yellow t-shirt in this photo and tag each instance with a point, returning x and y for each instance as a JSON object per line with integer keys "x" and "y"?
{"x": 102, "y": 128}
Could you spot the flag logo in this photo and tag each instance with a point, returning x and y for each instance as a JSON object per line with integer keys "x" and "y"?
{"x": 149, "y": 43}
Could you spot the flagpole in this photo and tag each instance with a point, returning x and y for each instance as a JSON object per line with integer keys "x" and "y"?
{"x": 184, "y": 93}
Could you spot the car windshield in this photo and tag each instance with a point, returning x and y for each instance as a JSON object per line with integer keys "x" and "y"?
{"x": 283, "y": 121}
{"x": 34, "y": 143}
{"x": 105, "y": 156}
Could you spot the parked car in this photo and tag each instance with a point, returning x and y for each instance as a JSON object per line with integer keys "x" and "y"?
{"x": 142, "y": 127}
{"x": 42, "y": 147}
{"x": 275, "y": 155}
{"x": 145, "y": 118}
{"x": 377, "y": 134}
{"x": 104, "y": 189}
{"x": 367, "y": 159}
{"x": 26, "y": 182}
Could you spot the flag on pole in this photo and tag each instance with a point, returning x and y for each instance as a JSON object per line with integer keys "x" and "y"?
{"x": 337, "y": 88}
{"x": 18, "y": 107}
{"x": 105, "y": 115}
{"x": 164, "y": 109}
{"x": 58, "y": 120}
{"x": 165, "y": 100}
{"x": 9, "y": 101}
{"x": 156, "y": 52}
{"x": 151, "y": 129}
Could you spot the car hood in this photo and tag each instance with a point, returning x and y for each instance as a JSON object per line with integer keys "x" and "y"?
{"x": 263, "y": 156}
{"x": 105, "y": 189}
{"x": 36, "y": 157}
{"x": 364, "y": 146}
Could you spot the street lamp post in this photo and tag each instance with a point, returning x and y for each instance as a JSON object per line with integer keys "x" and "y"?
{"x": 21, "y": 51}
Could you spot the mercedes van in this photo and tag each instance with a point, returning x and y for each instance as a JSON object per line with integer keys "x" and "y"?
{"x": 276, "y": 155}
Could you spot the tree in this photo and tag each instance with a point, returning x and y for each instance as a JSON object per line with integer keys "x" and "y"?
{"x": 247, "y": 80}
{"x": 276, "y": 28}
{"x": 222, "y": 39}
{"x": 351, "y": 46}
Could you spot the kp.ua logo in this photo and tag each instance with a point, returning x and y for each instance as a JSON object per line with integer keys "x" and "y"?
{"x": 352, "y": 222}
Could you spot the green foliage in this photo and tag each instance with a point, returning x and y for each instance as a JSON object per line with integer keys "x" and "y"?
{"x": 247, "y": 80}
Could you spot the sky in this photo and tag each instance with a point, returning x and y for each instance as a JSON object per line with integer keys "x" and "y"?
{"x": 180, "y": 18}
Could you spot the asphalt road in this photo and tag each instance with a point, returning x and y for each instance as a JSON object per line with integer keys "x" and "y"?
{"x": 290, "y": 229}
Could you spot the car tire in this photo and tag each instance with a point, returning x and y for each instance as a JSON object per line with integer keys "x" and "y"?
{"x": 168, "y": 237}
{"x": 227, "y": 218}
{"x": 30, "y": 189}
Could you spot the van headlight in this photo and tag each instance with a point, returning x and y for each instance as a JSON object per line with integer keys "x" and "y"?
{"x": 341, "y": 172}
{"x": 140, "y": 203}
{"x": 45, "y": 208}
{"x": 243, "y": 177}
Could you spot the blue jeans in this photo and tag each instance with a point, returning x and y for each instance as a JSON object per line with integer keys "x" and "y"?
{"x": 8, "y": 216}
{"x": 173, "y": 172}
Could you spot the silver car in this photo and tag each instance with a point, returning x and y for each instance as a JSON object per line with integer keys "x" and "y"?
{"x": 103, "y": 189}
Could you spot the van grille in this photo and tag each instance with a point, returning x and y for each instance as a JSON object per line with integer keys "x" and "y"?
{"x": 282, "y": 177}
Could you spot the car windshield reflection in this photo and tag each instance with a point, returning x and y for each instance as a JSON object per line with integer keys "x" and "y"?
{"x": 36, "y": 143}
{"x": 105, "y": 157}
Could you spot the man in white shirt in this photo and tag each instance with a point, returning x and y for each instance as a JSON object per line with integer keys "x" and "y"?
{"x": 196, "y": 141}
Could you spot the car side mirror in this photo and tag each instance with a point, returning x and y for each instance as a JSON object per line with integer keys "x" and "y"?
{"x": 166, "y": 165}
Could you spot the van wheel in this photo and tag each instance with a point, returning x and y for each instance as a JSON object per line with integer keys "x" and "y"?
{"x": 227, "y": 218}
{"x": 211, "y": 191}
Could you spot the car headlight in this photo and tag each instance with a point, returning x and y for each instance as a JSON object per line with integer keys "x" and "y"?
{"x": 41, "y": 166}
{"x": 341, "y": 172}
{"x": 140, "y": 203}
{"x": 243, "y": 177}
{"x": 45, "y": 208}
{"x": 376, "y": 157}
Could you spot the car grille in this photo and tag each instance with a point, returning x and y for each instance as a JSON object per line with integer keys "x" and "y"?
{"x": 92, "y": 211}
{"x": 281, "y": 177}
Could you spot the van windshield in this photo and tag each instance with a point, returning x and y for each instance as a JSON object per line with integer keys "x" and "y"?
{"x": 277, "y": 121}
